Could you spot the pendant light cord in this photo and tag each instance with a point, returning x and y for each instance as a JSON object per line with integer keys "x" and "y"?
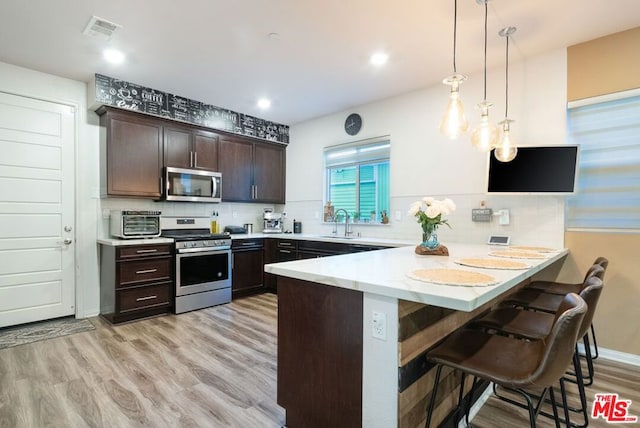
{"x": 486, "y": 8}
{"x": 455, "y": 31}
{"x": 506, "y": 80}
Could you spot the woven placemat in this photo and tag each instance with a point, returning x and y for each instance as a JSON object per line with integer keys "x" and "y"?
{"x": 511, "y": 254}
{"x": 493, "y": 263}
{"x": 536, "y": 249}
{"x": 453, "y": 277}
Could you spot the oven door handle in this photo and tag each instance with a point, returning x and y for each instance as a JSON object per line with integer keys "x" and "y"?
{"x": 202, "y": 251}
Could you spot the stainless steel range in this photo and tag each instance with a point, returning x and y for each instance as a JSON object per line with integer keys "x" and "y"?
{"x": 203, "y": 263}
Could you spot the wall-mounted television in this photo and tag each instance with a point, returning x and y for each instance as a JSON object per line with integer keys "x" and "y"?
{"x": 539, "y": 169}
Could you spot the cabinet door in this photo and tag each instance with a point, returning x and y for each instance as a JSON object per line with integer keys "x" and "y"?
{"x": 134, "y": 155}
{"x": 177, "y": 147}
{"x": 247, "y": 271}
{"x": 205, "y": 148}
{"x": 235, "y": 160}
{"x": 269, "y": 173}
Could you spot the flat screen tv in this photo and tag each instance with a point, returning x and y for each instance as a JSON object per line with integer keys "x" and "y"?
{"x": 540, "y": 169}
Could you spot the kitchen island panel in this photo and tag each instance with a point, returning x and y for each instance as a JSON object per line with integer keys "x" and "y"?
{"x": 319, "y": 354}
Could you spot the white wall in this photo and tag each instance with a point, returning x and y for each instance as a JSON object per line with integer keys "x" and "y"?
{"x": 22, "y": 81}
{"x": 423, "y": 163}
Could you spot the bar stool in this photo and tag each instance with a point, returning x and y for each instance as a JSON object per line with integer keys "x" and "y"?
{"x": 564, "y": 288}
{"x": 533, "y": 325}
{"x": 546, "y": 302}
{"x": 513, "y": 363}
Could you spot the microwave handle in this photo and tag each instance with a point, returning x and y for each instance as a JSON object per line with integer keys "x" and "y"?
{"x": 215, "y": 186}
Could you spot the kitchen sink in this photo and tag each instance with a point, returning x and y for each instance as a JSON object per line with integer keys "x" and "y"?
{"x": 338, "y": 237}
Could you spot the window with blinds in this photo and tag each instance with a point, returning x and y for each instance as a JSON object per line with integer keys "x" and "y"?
{"x": 357, "y": 178}
{"x": 608, "y": 131}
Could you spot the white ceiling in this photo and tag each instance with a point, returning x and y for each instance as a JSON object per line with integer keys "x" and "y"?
{"x": 219, "y": 52}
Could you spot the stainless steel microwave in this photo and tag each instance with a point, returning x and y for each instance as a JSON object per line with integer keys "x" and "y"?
{"x": 192, "y": 185}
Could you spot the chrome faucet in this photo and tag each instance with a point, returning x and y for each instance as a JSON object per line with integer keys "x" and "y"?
{"x": 347, "y": 232}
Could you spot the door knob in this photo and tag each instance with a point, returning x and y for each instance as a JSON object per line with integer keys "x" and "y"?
{"x": 68, "y": 228}
{"x": 66, "y": 241}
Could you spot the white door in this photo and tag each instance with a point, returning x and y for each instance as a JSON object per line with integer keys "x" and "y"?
{"x": 36, "y": 210}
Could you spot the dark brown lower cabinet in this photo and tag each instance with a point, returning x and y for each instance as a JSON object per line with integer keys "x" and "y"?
{"x": 319, "y": 354}
{"x": 136, "y": 281}
{"x": 248, "y": 267}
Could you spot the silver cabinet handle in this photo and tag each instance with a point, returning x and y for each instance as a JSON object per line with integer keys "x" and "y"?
{"x": 191, "y": 159}
{"x": 147, "y": 251}
{"x": 195, "y": 159}
{"x": 142, "y": 272}
{"x": 285, "y": 244}
{"x": 285, "y": 251}
{"x": 140, "y": 299}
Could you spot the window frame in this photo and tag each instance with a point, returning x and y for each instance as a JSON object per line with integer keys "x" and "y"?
{"x": 355, "y": 161}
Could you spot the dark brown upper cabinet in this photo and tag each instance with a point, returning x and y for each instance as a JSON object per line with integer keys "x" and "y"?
{"x": 131, "y": 154}
{"x": 252, "y": 171}
{"x": 185, "y": 147}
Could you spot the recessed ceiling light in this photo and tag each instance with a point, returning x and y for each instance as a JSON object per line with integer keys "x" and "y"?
{"x": 264, "y": 103}
{"x": 379, "y": 58}
{"x": 113, "y": 56}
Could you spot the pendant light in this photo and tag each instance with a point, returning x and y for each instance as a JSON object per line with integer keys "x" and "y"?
{"x": 506, "y": 149}
{"x": 454, "y": 122}
{"x": 484, "y": 137}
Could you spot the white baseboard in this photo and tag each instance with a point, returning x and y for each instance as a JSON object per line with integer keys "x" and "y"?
{"x": 611, "y": 355}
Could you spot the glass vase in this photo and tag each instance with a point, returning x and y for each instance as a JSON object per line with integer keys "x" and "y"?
{"x": 430, "y": 237}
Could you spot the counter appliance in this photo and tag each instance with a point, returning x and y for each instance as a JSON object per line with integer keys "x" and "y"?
{"x": 130, "y": 224}
{"x": 272, "y": 221}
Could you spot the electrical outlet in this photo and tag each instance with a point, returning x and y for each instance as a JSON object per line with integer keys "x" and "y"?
{"x": 106, "y": 214}
{"x": 398, "y": 215}
{"x": 379, "y": 325}
{"x": 234, "y": 214}
{"x": 316, "y": 214}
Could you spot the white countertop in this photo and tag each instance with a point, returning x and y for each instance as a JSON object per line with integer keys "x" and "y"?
{"x": 384, "y": 272}
{"x": 115, "y": 242}
{"x": 298, "y": 236}
{"x": 325, "y": 238}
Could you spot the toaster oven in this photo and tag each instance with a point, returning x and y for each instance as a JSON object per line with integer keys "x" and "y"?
{"x": 128, "y": 224}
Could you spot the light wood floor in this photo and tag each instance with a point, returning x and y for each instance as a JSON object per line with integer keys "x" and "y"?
{"x": 210, "y": 368}
{"x": 610, "y": 377}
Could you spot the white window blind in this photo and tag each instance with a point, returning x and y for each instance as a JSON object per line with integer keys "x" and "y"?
{"x": 608, "y": 195}
{"x": 358, "y": 152}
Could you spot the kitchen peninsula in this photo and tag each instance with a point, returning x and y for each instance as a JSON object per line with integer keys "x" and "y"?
{"x": 333, "y": 372}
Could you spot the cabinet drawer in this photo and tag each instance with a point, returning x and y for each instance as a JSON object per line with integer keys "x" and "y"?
{"x": 290, "y": 244}
{"x": 139, "y": 271}
{"x": 144, "y": 297}
{"x": 246, "y": 244}
{"x": 138, "y": 251}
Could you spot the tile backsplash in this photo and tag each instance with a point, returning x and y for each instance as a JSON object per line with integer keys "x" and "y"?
{"x": 534, "y": 220}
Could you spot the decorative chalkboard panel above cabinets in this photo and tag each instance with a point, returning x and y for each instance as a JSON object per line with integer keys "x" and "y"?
{"x": 131, "y": 96}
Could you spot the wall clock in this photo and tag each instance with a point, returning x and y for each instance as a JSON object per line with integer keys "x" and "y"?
{"x": 353, "y": 124}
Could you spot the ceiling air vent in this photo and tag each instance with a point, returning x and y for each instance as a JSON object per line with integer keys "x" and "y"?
{"x": 101, "y": 28}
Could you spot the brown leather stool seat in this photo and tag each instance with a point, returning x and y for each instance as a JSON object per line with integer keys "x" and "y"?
{"x": 537, "y": 325}
{"x": 541, "y": 301}
{"x": 564, "y": 288}
{"x": 511, "y": 362}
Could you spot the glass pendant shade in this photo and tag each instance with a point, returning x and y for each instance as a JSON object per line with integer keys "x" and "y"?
{"x": 506, "y": 150}
{"x": 454, "y": 122}
{"x": 484, "y": 137}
